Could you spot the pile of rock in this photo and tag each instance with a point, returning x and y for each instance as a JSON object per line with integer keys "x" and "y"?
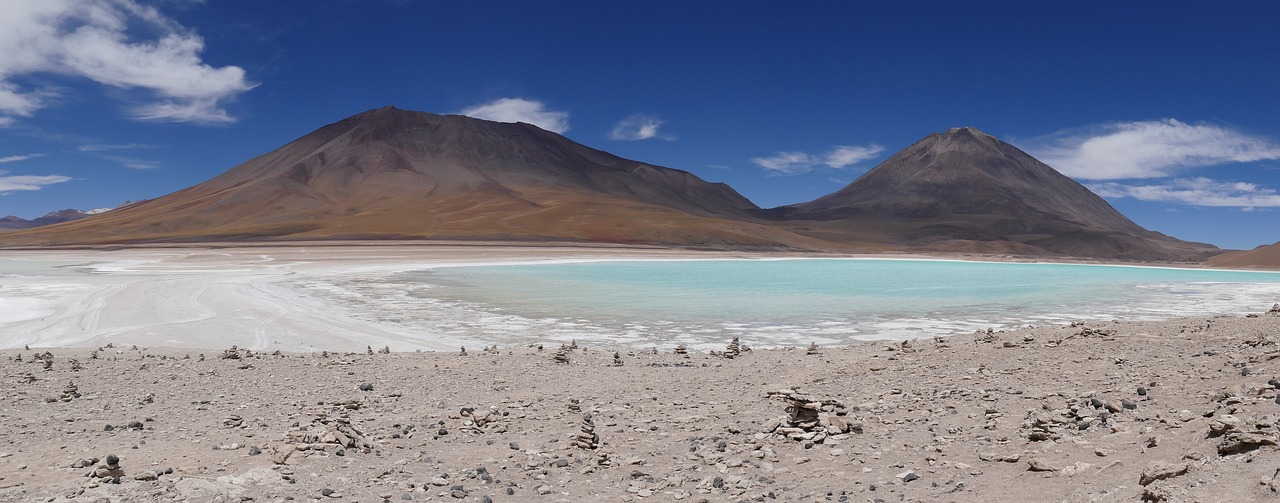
{"x": 68, "y": 392}
{"x": 331, "y": 430}
{"x": 562, "y": 354}
{"x": 682, "y": 350}
{"x": 810, "y": 419}
{"x": 734, "y": 349}
{"x": 109, "y": 470}
{"x": 231, "y": 353}
{"x": 482, "y": 420}
{"x": 1275, "y": 310}
{"x": 587, "y": 438}
{"x": 813, "y": 349}
{"x": 617, "y": 359}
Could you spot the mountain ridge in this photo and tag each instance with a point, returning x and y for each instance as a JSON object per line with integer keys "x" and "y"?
{"x": 389, "y": 173}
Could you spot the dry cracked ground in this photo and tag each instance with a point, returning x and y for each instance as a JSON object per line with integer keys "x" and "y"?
{"x": 1183, "y": 410}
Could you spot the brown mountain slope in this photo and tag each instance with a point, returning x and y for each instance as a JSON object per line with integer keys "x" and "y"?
{"x": 1265, "y": 257}
{"x": 391, "y": 173}
{"x": 964, "y": 190}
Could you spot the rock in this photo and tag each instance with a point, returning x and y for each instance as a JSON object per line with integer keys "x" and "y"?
{"x": 543, "y": 489}
{"x": 1236, "y": 442}
{"x": 561, "y": 355}
{"x": 1160, "y": 470}
{"x": 993, "y": 457}
{"x": 682, "y": 350}
{"x": 458, "y": 492}
{"x": 281, "y": 454}
{"x": 366, "y": 387}
{"x": 146, "y": 475}
{"x": 1036, "y": 465}
{"x": 813, "y": 349}
{"x": 908, "y": 476}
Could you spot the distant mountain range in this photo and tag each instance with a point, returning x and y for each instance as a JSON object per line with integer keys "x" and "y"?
{"x": 396, "y": 174}
{"x": 11, "y": 222}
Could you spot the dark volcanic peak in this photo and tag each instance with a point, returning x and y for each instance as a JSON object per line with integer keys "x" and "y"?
{"x": 966, "y": 190}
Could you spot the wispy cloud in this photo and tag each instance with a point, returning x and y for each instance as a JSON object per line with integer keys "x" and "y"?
{"x": 1148, "y": 149}
{"x": 793, "y": 163}
{"x": 14, "y": 183}
{"x": 16, "y": 158}
{"x": 521, "y": 110}
{"x": 1198, "y": 191}
{"x": 638, "y": 127}
{"x": 103, "y": 147}
{"x": 118, "y": 43}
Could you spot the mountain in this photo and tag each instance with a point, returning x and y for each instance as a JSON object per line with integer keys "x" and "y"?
{"x": 1265, "y": 257}
{"x": 396, "y": 174}
{"x": 11, "y": 222}
{"x": 391, "y": 173}
{"x": 966, "y": 191}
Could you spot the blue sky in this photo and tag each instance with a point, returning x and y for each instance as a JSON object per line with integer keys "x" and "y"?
{"x": 1167, "y": 110}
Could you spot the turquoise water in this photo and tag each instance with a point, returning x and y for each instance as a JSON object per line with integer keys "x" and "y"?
{"x": 787, "y": 302}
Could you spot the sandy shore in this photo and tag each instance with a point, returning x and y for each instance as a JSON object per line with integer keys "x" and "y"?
{"x": 1183, "y": 410}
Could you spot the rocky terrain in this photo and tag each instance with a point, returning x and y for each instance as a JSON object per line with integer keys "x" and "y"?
{"x": 1183, "y": 410}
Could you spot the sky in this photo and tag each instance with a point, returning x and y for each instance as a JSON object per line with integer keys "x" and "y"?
{"x": 1166, "y": 109}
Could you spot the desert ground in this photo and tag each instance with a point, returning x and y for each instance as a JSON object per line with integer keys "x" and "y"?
{"x": 137, "y": 410}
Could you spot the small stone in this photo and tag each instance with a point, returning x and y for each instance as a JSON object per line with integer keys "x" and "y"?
{"x": 254, "y": 451}
{"x": 1037, "y": 465}
{"x": 366, "y": 387}
{"x": 112, "y": 460}
{"x": 514, "y": 446}
{"x": 1142, "y": 391}
{"x": 1128, "y": 405}
{"x": 561, "y": 463}
{"x": 543, "y": 490}
{"x": 908, "y": 476}
{"x": 457, "y": 492}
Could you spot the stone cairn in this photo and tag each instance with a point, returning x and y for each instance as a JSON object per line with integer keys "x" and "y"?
{"x": 562, "y": 354}
{"x": 734, "y": 349}
{"x": 682, "y": 350}
{"x": 587, "y": 438}
{"x": 68, "y": 393}
{"x": 575, "y": 405}
{"x": 464, "y": 351}
{"x": 810, "y": 419}
{"x": 482, "y": 420}
{"x": 329, "y": 429}
{"x": 1275, "y": 310}
{"x": 813, "y": 349}
{"x": 617, "y": 359}
{"x": 231, "y": 353}
{"x": 109, "y": 470}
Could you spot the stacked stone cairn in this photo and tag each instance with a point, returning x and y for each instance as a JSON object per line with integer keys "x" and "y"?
{"x": 617, "y": 359}
{"x": 682, "y": 350}
{"x": 813, "y": 349}
{"x": 109, "y": 470}
{"x": 587, "y": 438}
{"x": 69, "y": 392}
{"x": 810, "y": 419}
{"x": 328, "y": 429}
{"x": 562, "y": 354}
{"x": 1275, "y": 310}
{"x": 734, "y": 349}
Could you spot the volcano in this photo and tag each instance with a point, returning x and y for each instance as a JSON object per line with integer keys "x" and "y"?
{"x": 966, "y": 191}
{"x": 397, "y": 174}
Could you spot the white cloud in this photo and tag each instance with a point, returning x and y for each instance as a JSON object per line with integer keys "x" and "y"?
{"x": 638, "y": 127}
{"x": 1195, "y": 192}
{"x": 1149, "y": 149}
{"x": 521, "y": 110}
{"x": 15, "y": 183}
{"x": 16, "y": 158}
{"x": 99, "y": 40}
{"x": 792, "y": 163}
{"x": 100, "y": 147}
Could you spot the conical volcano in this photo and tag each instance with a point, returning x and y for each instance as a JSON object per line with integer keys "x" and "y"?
{"x": 395, "y": 174}
{"x": 964, "y": 190}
